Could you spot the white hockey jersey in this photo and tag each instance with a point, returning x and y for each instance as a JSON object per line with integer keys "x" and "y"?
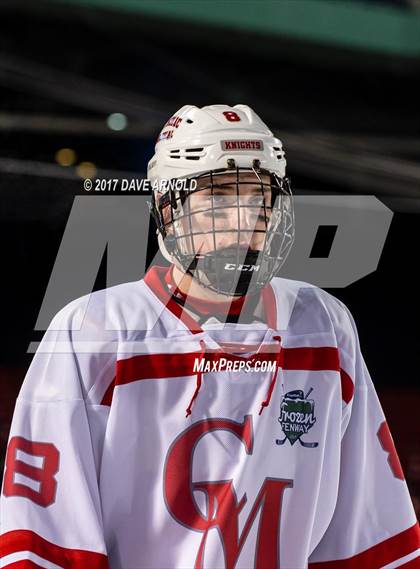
{"x": 139, "y": 442}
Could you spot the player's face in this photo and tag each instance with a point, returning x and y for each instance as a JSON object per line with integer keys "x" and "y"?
{"x": 229, "y": 215}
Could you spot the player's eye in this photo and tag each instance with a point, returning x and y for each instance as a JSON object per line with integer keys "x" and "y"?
{"x": 223, "y": 200}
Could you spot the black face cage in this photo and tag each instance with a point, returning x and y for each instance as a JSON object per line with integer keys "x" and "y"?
{"x": 221, "y": 270}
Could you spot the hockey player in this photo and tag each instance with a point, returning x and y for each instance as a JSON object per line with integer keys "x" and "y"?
{"x": 211, "y": 415}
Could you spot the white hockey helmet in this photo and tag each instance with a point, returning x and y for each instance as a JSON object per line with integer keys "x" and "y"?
{"x": 197, "y": 140}
{"x": 200, "y": 144}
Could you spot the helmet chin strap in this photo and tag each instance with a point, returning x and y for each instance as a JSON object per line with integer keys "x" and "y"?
{"x": 228, "y": 272}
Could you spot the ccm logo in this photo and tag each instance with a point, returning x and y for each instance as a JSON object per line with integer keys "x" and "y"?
{"x": 242, "y": 145}
{"x": 233, "y": 267}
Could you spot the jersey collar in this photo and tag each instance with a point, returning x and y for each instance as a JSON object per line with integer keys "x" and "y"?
{"x": 159, "y": 279}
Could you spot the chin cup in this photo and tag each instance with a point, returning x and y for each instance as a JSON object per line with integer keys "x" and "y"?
{"x": 230, "y": 271}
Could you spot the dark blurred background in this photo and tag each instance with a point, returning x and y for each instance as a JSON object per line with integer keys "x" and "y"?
{"x": 87, "y": 85}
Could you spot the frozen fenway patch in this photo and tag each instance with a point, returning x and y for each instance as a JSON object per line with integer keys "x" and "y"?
{"x": 297, "y": 416}
{"x": 242, "y": 145}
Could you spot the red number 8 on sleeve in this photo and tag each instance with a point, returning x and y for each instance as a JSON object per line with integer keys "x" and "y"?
{"x": 45, "y": 496}
{"x": 231, "y": 116}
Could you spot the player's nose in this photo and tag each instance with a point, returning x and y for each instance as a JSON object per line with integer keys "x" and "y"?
{"x": 248, "y": 217}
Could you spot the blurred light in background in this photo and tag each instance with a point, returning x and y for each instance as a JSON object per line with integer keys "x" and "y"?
{"x": 116, "y": 121}
{"x": 65, "y": 156}
{"x": 86, "y": 170}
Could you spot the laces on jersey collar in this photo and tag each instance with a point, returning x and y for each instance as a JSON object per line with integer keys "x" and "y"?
{"x": 264, "y": 403}
{"x": 199, "y": 376}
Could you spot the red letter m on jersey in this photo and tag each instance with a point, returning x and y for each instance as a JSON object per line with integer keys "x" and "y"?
{"x": 223, "y": 506}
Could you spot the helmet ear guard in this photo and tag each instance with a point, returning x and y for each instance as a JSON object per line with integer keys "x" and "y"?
{"x": 241, "y": 151}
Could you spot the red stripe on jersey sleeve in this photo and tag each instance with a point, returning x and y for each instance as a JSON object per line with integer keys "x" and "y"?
{"x": 25, "y": 540}
{"x": 381, "y": 554}
{"x": 310, "y": 359}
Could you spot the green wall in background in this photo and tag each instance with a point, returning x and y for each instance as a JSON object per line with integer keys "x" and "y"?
{"x": 347, "y": 23}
